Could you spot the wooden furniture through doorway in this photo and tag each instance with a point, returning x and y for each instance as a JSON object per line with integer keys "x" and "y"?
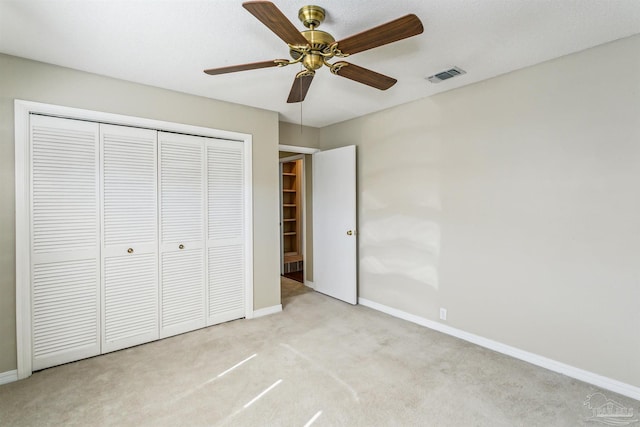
{"x": 292, "y": 216}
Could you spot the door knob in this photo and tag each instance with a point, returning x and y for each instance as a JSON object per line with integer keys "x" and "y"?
{"x": 349, "y": 233}
{"x": 130, "y": 250}
{"x": 181, "y": 246}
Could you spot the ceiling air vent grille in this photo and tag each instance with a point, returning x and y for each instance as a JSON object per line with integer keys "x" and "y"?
{"x": 445, "y": 75}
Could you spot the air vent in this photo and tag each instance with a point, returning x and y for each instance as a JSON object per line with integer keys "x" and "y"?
{"x": 445, "y": 75}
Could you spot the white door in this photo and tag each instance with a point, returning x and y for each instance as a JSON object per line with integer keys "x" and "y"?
{"x": 65, "y": 297}
{"x": 182, "y": 264}
{"x": 225, "y": 231}
{"x": 130, "y": 236}
{"x": 334, "y": 223}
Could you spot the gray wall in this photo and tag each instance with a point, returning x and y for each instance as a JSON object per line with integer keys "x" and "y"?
{"x": 514, "y": 203}
{"x": 34, "y": 81}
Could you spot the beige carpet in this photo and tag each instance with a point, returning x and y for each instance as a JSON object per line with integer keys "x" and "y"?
{"x": 290, "y": 288}
{"x": 319, "y": 360}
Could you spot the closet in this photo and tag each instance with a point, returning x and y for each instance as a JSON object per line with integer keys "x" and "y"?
{"x": 136, "y": 234}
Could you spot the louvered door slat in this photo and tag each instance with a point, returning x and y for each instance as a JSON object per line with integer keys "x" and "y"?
{"x": 182, "y": 263}
{"x": 182, "y": 292}
{"x": 64, "y": 185}
{"x": 129, "y": 185}
{"x": 226, "y": 283}
{"x": 182, "y": 186}
{"x": 130, "y": 238}
{"x": 225, "y": 232}
{"x": 64, "y": 241}
{"x": 225, "y": 191}
{"x": 65, "y": 312}
{"x": 130, "y": 299}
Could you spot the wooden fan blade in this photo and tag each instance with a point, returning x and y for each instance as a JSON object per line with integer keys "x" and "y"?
{"x": 401, "y": 28}
{"x": 365, "y": 76}
{"x": 242, "y": 67}
{"x": 270, "y": 15}
{"x": 299, "y": 89}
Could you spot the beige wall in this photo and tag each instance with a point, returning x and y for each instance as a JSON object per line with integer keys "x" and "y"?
{"x": 33, "y": 81}
{"x": 300, "y": 136}
{"x": 283, "y": 154}
{"x": 514, "y": 203}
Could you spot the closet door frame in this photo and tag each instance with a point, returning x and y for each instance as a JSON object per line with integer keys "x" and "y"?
{"x": 23, "y": 110}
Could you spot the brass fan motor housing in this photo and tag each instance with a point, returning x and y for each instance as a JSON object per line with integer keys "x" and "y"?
{"x": 319, "y": 41}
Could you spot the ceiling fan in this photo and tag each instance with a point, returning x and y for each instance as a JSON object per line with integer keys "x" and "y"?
{"x": 314, "y": 48}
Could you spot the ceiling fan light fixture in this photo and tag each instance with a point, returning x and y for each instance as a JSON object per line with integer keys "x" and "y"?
{"x": 313, "y": 48}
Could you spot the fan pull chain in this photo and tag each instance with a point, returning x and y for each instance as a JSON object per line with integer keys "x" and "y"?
{"x": 301, "y": 102}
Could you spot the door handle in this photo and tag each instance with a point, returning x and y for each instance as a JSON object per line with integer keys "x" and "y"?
{"x": 130, "y": 250}
{"x": 350, "y": 233}
{"x": 181, "y": 246}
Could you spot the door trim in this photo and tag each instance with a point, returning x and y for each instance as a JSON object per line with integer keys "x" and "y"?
{"x": 299, "y": 151}
{"x": 296, "y": 149}
{"x": 22, "y": 110}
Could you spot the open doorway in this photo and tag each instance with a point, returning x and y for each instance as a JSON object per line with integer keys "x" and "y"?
{"x": 292, "y": 200}
{"x": 296, "y": 250}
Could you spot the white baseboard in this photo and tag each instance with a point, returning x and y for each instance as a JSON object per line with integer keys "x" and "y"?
{"x": 535, "y": 359}
{"x": 267, "y": 311}
{"x": 9, "y": 376}
{"x": 310, "y": 284}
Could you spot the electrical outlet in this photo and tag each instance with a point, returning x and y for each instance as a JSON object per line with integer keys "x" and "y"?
{"x": 443, "y": 314}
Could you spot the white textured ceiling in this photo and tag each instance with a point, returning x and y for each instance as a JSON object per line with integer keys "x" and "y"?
{"x": 168, "y": 44}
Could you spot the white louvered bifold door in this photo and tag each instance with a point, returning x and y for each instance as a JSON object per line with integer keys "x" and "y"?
{"x": 64, "y": 241}
{"x": 182, "y": 263}
{"x": 225, "y": 231}
{"x": 129, "y": 236}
